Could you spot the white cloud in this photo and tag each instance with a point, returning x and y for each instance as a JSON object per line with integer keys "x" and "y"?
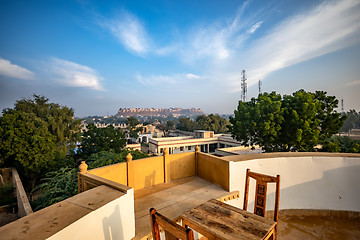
{"x": 353, "y": 83}
{"x": 192, "y": 76}
{"x": 167, "y": 80}
{"x": 254, "y": 27}
{"x": 220, "y": 39}
{"x": 75, "y": 75}
{"x": 15, "y": 71}
{"x": 329, "y": 27}
{"x": 129, "y": 31}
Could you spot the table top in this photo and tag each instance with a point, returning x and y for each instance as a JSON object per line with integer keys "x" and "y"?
{"x": 217, "y": 220}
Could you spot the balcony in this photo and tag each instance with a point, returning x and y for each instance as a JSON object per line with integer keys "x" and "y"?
{"x": 113, "y": 201}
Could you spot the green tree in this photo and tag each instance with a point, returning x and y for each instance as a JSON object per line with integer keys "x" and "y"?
{"x": 186, "y": 124}
{"x": 296, "y": 122}
{"x": 258, "y": 122}
{"x": 132, "y": 123}
{"x": 95, "y": 140}
{"x": 352, "y": 121}
{"x": 212, "y": 123}
{"x": 37, "y": 136}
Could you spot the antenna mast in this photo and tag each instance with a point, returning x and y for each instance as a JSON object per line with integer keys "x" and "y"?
{"x": 259, "y": 86}
{"x": 342, "y": 105}
{"x": 243, "y": 87}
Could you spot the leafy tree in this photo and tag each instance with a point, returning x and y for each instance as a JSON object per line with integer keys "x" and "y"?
{"x": 132, "y": 127}
{"x": 186, "y": 124}
{"x": 37, "y": 136}
{"x": 341, "y": 144}
{"x": 95, "y": 140}
{"x": 258, "y": 122}
{"x": 166, "y": 127}
{"x": 212, "y": 123}
{"x": 352, "y": 121}
{"x": 295, "y": 122}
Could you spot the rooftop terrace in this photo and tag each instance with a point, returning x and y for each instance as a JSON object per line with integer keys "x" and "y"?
{"x": 314, "y": 187}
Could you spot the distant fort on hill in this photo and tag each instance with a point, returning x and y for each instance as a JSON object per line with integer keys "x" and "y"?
{"x": 126, "y": 112}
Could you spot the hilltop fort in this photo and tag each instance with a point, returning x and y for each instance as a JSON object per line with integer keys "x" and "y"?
{"x": 126, "y": 112}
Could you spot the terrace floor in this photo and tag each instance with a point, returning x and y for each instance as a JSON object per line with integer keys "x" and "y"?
{"x": 172, "y": 199}
{"x": 318, "y": 227}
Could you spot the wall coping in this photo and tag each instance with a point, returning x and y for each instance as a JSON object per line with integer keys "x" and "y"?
{"x": 246, "y": 157}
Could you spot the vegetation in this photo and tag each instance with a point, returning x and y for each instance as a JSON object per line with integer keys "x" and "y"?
{"x": 95, "y": 140}
{"x": 37, "y": 136}
{"x": 62, "y": 184}
{"x": 211, "y": 123}
{"x": 341, "y": 144}
{"x": 132, "y": 123}
{"x": 352, "y": 121}
{"x": 7, "y": 194}
{"x": 296, "y": 122}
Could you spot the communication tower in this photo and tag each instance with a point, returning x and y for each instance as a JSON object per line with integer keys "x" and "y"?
{"x": 342, "y": 105}
{"x": 243, "y": 87}
{"x": 259, "y": 84}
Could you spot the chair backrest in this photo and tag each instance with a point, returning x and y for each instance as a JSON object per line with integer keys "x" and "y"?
{"x": 260, "y": 193}
{"x": 172, "y": 230}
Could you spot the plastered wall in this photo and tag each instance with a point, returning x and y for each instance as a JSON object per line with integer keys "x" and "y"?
{"x": 179, "y": 166}
{"x": 213, "y": 169}
{"x": 306, "y": 182}
{"x": 115, "y": 220}
{"x": 115, "y": 172}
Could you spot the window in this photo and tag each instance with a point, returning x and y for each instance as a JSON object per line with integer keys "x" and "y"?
{"x": 181, "y": 148}
{"x": 189, "y": 147}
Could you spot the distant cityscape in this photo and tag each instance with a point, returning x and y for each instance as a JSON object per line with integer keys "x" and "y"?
{"x": 175, "y": 112}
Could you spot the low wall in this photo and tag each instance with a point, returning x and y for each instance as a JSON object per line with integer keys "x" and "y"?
{"x": 116, "y": 172}
{"x": 329, "y": 182}
{"x": 213, "y": 169}
{"x": 115, "y": 220}
{"x": 145, "y": 172}
{"x": 179, "y": 166}
{"x": 23, "y": 204}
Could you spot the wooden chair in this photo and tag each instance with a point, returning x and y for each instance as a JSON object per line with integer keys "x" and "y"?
{"x": 260, "y": 193}
{"x": 172, "y": 230}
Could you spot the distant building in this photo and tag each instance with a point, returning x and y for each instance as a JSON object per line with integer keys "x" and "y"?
{"x": 206, "y": 140}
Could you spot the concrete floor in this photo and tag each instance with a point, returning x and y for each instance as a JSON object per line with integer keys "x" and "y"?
{"x": 317, "y": 227}
{"x": 172, "y": 199}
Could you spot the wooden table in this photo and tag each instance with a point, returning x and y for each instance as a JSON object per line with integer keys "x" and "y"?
{"x": 217, "y": 220}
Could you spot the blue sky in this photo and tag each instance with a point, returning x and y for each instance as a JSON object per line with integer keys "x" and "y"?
{"x": 98, "y": 56}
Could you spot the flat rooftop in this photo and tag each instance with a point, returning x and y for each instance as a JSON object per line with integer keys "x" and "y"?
{"x": 172, "y": 199}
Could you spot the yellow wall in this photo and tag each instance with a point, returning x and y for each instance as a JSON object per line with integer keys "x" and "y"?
{"x": 146, "y": 172}
{"x": 213, "y": 169}
{"x": 115, "y": 172}
{"x": 179, "y": 165}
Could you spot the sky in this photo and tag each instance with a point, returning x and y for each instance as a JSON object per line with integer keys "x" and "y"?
{"x": 99, "y": 56}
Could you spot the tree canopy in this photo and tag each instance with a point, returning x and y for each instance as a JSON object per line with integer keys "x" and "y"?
{"x": 95, "y": 140}
{"x": 211, "y": 123}
{"x": 352, "y": 121}
{"x": 37, "y": 136}
{"x": 296, "y": 122}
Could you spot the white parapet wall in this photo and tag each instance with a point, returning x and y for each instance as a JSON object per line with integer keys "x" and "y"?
{"x": 309, "y": 182}
{"x": 115, "y": 220}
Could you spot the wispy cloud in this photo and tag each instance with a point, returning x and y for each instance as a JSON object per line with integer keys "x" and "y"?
{"x": 75, "y": 75}
{"x": 353, "y": 83}
{"x": 162, "y": 79}
{"x": 328, "y": 27}
{"x": 15, "y": 71}
{"x": 255, "y": 27}
{"x": 129, "y": 31}
{"x": 220, "y": 39}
